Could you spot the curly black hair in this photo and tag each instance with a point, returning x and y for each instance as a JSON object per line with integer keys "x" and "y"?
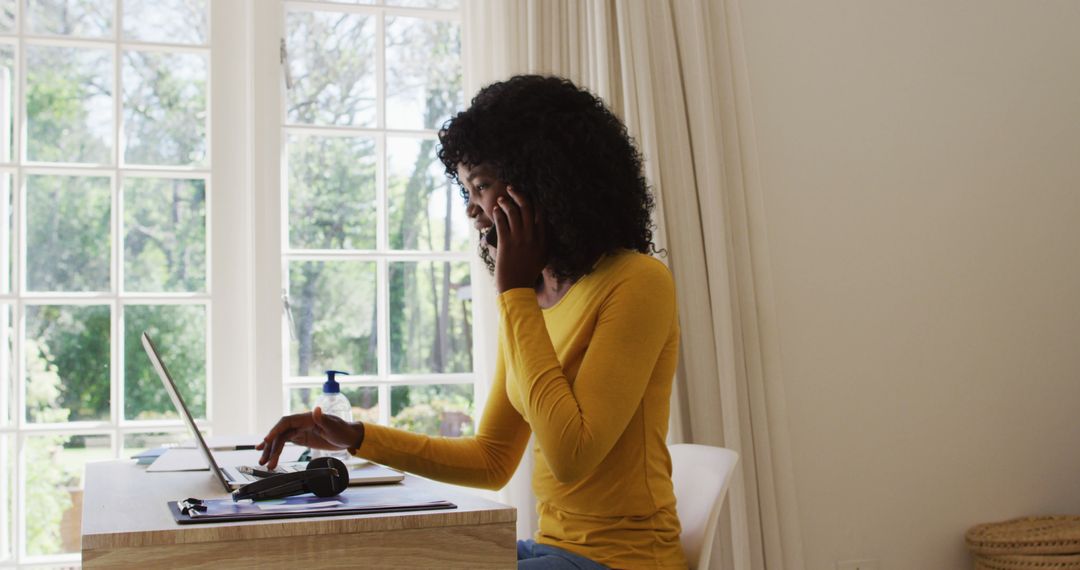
{"x": 569, "y": 154}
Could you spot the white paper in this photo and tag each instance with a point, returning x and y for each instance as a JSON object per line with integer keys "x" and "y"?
{"x": 181, "y": 459}
{"x": 296, "y": 507}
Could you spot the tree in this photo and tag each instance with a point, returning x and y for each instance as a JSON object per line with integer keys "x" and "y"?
{"x": 69, "y": 119}
{"x": 331, "y": 186}
{"x": 165, "y": 225}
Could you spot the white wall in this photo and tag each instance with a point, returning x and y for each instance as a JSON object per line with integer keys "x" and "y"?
{"x": 921, "y": 168}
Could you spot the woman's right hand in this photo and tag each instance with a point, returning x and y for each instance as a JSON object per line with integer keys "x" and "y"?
{"x": 311, "y": 429}
{"x": 522, "y": 251}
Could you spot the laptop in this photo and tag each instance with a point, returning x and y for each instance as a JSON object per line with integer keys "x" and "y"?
{"x": 233, "y": 477}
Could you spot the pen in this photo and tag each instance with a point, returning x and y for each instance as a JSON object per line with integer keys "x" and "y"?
{"x": 212, "y": 447}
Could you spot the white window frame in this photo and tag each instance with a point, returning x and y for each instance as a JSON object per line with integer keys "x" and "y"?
{"x": 271, "y": 217}
{"x": 229, "y": 259}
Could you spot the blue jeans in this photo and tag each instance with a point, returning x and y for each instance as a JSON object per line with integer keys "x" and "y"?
{"x": 533, "y": 556}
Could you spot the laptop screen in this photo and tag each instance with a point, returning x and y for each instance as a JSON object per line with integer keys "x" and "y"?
{"x": 181, "y": 408}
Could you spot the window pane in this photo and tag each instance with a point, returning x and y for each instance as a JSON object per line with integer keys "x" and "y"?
{"x": 7, "y": 230}
{"x": 166, "y": 21}
{"x": 440, "y": 4}
{"x": 69, "y": 104}
{"x": 7, "y": 497}
{"x": 7, "y": 16}
{"x": 139, "y": 442}
{"x": 333, "y": 311}
{"x": 332, "y": 66}
{"x": 67, "y": 362}
{"x": 91, "y": 18}
{"x": 7, "y": 367}
{"x": 331, "y": 192}
{"x": 425, "y": 209}
{"x": 164, "y": 108}
{"x": 423, "y": 72}
{"x": 7, "y": 101}
{"x": 435, "y": 410}
{"x": 179, "y": 331}
{"x": 67, "y": 233}
{"x": 430, "y": 330}
{"x": 54, "y": 486}
{"x": 164, "y": 234}
{"x": 364, "y": 400}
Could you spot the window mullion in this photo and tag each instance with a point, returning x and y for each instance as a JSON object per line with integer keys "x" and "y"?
{"x": 116, "y": 376}
{"x": 384, "y": 404}
{"x": 383, "y": 323}
{"x": 267, "y": 221}
{"x": 116, "y": 347}
{"x": 19, "y": 262}
{"x": 233, "y": 223}
{"x": 19, "y": 549}
{"x": 408, "y": 11}
{"x": 380, "y": 70}
{"x": 383, "y": 224}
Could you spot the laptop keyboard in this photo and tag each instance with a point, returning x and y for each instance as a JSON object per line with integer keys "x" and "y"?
{"x": 252, "y": 474}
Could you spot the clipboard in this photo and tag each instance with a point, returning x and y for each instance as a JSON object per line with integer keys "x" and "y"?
{"x": 353, "y": 501}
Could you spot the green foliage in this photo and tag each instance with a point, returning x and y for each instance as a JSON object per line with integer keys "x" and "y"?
{"x": 333, "y": 305}
{"x": 72, "y": 344}
{"x": 67, "y": 17}
{"x": 46, "y": 493}
{"x": 332, "y": 66}
{"x": 40, "y": 453}
{"x": 7, "y": 16}
{"x": 67, "y": 233}
{"x": 435, "y": 410}
{"x": 332, "y": 192}
{"x": 171, "y": 21}
{"x": 68, "y": 104}
{"x": 429, "y": 324}
{"x": 164, "y": 235}
{"x": 164, "y": 108}
{"x": 179, "y": 332}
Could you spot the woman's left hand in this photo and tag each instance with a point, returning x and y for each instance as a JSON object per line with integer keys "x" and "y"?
{"x": 522, "y": 252}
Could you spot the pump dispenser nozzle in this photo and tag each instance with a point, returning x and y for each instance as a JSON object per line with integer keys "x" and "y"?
{"x": 331, "y": 385}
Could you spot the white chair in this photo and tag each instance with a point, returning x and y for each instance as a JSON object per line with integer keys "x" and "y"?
{"x": 701, "y": 474}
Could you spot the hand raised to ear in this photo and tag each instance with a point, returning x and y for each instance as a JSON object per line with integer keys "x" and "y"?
{"x": 522, "y": 251}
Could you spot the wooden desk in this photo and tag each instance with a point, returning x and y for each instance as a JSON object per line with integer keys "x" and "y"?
{"x": 126, "y": 524}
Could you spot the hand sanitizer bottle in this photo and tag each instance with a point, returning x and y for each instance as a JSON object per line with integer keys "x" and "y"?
{"x": 334, "y": 403}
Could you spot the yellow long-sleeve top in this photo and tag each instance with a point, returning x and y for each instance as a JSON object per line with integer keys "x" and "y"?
{"x": 590, "y": 377}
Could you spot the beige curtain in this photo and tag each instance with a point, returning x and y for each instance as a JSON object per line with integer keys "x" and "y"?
{"x": 674, "y": 71}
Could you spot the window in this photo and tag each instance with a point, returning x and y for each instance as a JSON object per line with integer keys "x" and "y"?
{"x": 105, "y": 176}
{"x": 140, "y": 152}
{"x": 375, "y": 254}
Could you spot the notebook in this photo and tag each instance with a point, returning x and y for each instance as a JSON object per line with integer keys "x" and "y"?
{"x": 361, "y": 500}
{"x": 233, "y": 477}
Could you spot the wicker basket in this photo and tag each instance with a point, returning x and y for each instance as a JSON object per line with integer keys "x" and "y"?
{"x": 1027, "y": 537}
{"x": 1028, "y": 562}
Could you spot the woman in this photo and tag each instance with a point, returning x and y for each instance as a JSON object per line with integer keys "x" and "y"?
{"x": 588, "y": 333}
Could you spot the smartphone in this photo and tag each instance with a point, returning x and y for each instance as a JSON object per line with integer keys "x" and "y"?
{"x": 491, "y": 238}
